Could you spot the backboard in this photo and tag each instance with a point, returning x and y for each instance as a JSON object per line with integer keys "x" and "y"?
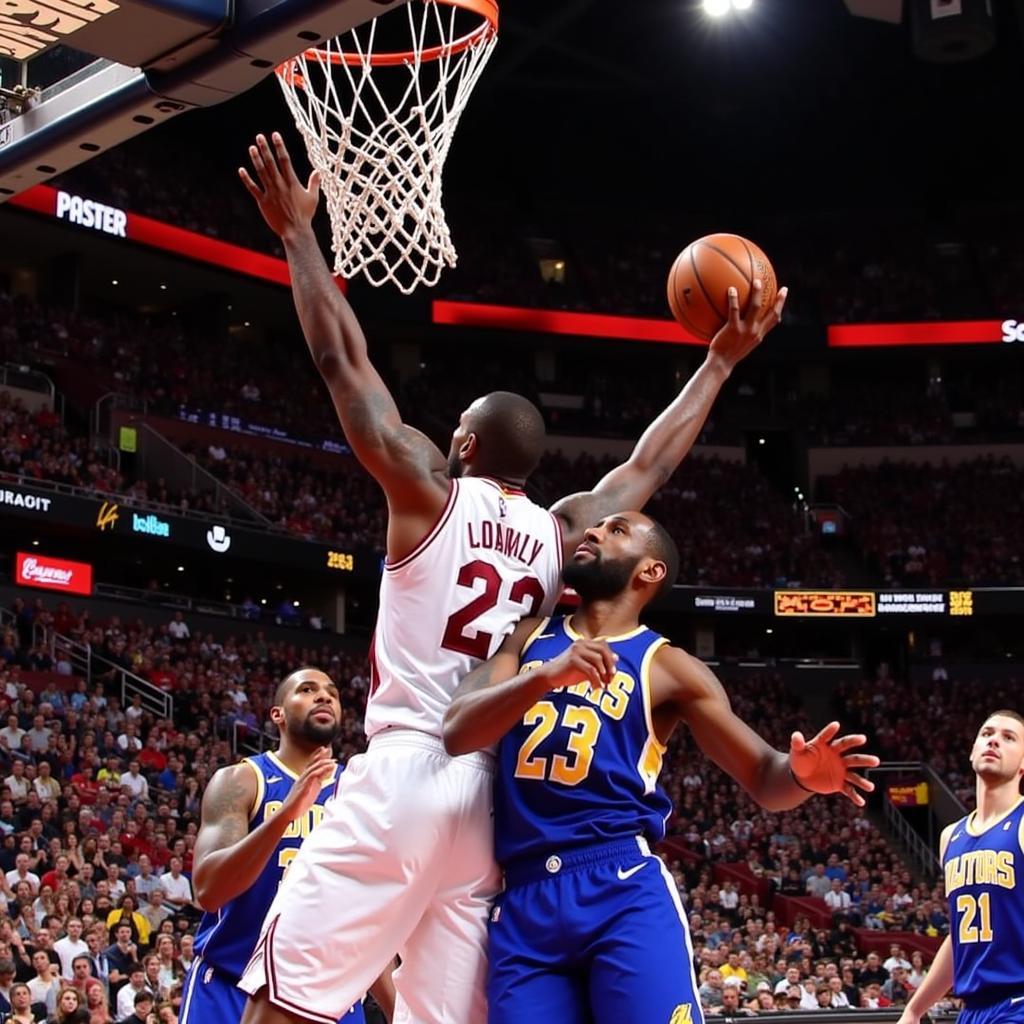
{"x": 82, "y": 76}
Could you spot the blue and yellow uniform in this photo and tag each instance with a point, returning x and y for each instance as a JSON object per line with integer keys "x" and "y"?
{"x": 225, "y": 941}
{"x": 987, "y": 916}
{"x": 590, "y": 926}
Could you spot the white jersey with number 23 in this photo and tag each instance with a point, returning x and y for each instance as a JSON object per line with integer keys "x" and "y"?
{"x": 492, "y": 558}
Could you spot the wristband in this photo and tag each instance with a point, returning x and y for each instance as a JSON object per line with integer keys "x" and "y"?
{"x": 792, "y": 775}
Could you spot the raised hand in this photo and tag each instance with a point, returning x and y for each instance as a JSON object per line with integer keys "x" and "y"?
{"x": 742, "y": 334}
{"x": 586, "y": 659}
{"x": 308, "y": 785}
{"x": 286, "y": 204}
{"x": 824, "y": 764}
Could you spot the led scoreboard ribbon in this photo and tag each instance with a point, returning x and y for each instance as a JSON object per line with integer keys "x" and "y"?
{"x": 825, "y": 603}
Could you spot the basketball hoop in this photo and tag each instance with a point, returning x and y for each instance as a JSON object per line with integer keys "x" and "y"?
{"x": 378, "y": 122}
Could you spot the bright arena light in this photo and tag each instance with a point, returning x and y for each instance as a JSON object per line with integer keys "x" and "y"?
{"x": 719, "y": 8}
{"x": 716, "y": 8}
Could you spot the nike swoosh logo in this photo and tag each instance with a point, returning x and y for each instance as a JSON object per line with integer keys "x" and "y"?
{"x": 546, "y": 636}
{"x": 623, "y": 875}
{"x": 274, "y": 778}
{"x": 1016, "y": 999}
{"x": 956, "y": 835}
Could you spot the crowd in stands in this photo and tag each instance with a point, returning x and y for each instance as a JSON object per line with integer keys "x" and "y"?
{"x": 99, "y": 807}
{"x": 752, "y": 542}
{"x": 99, "y": 803}
{"x": 885, "y": 268}
{"x": 925, "y": 525}
{"x": 748, "y": 958}
{"x": 756, "y": 542}
{"x": 910, "y": 720}
{"x": 36, "y": 445}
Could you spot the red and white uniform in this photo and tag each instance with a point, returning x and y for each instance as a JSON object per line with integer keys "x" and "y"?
{"x": 403, "y": 859}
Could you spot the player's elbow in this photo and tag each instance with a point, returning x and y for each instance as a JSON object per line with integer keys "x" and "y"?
{"x": 204, "y": 891}
{"x": 454, "y": 733}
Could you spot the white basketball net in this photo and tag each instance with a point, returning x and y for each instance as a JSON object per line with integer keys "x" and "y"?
{"x": 379, "y": 136}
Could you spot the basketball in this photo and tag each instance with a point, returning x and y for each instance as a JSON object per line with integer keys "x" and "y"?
{"x": 700, "y": 278}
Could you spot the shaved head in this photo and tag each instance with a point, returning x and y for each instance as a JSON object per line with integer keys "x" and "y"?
{"x": 299, "y": 676}
{"x": 661, "y": 547}
{"x": 510, "y": 437}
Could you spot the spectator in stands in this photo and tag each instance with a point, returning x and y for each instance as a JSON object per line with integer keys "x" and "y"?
{"x": 134, "y": 783}
{"x": 128, "y": 994}
{"x": 837, "y": 899}
{"x": 121, "y": 955}
{"x": 125, "y": 912}
{"x": 873, "y": 997}
{"x": 178, "y": 627}
{"x": 17, "y": 783}
{"x": 792, "y": 977}
{"x": 818, "y": 883}
{"x": 896, "y": 959}
{"x": 21, "y": 873}
{"x": 731, "y": 1005}
{"x": 710, "y": 991}
{"x": 872, "y": 972}
{"x": 46, "y": 984}
{"x": 99, "y": 962}
{"x": 142, "y": 1004}
{"x": 69, "y": 947}
{"x": 21, "y": 1005}
{"x": 896, "y": 989}
{"x": 918, "y": 971}
{"x": 838, "y": 998}
{"x": 793, "y": 998}
{"x": 177, "y": 888}
{"x": 82, "y": 978}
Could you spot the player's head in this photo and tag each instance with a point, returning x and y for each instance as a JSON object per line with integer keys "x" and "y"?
{"x": 998, "y": 752}
{"x": 625, "y": 553}
{"x": 307, "y": 707}
{"x": 499, "y": 435}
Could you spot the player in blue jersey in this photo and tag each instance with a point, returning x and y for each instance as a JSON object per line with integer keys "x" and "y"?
{"x": 982, "y": 958}
{"x": 590, "y": 926}
{"x": 255, "y": 816}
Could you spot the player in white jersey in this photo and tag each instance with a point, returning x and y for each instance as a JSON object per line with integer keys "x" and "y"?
{"x": 403, "y": 860}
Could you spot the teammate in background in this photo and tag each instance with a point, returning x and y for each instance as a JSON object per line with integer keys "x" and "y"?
{"x": 982, "y": 958}
{"x": 404, "y": 858}
{"x": 590, "y": 926}
{"x": 255, "y": 816}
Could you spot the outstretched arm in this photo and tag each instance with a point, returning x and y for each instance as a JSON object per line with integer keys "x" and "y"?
{"x": 939, "y": 979}
{"x": 496, "y": 695}
{"x": 410, "y": 467}
{"x": 777, "y": 781}
{"x": 228, "y": 857}
{"x": 666, "y": 442}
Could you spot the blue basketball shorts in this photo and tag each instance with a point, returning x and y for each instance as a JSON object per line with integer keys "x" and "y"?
{"x": 595, "y": 935}
{"x": 211, "y": 997}
{"x": 1005, "y": 1011}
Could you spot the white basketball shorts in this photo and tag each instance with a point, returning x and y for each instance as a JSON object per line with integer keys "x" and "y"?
{"x": 402, "y": 862}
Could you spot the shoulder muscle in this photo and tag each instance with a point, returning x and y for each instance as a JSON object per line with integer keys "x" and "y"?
{"x": 231, "y": 791}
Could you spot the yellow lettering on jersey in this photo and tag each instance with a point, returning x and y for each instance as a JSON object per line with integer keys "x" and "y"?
{"x": 1005, "y": 874}
{"x": 682, "y": 1014}
{"x": 981, "y": 867}
{"x": 301, "y": 827}
{"x": 612, "y": 699}
{"x": 615, "y": 697}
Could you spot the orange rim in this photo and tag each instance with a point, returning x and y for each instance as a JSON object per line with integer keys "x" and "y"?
{"x": 487, "y": 9}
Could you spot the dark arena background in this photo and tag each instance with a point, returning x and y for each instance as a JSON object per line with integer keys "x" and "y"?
{"x": 182, "y": 522}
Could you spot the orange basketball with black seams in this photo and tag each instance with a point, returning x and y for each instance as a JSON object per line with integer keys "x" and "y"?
{"x": 703, "y": 273}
